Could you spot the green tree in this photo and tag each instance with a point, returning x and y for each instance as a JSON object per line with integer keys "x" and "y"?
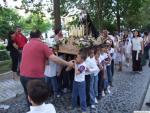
{"x": 36, "y": 21}
{"x": 8, "y": 20}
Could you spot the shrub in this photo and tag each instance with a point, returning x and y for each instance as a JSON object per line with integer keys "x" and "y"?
{"x": 2, "y": 47}
{"x": 4, "y": 55}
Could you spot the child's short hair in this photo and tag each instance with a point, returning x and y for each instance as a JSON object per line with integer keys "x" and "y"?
{"x": 103, "y": 46}
{"x": 89, "y": 49}
{"x": 38, "y": 91}
{"x": 83, "y": 53}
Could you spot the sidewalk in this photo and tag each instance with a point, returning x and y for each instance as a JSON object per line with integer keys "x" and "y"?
{"x": 9, "y": 88}
{"x": 147, "y": 99}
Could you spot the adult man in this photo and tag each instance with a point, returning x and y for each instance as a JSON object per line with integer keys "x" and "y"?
{"x": 20, "y": 40}
{"x": 34, "y": 57}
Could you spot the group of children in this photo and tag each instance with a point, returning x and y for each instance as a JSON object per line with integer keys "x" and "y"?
{"x": 90, "y": 78}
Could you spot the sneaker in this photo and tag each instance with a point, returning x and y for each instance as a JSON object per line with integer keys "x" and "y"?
{"x": 108, "y": 90}
{"x": 140, "y": 72}
{"x": 148, "y": 104}
{"x": 65, "y": 90}
{"x": 58, "y": 96}
{"x": 5, "y": 107}
{"x": 96, "y": 102}
{"x": 99, "y": 97}
{"x": 103, "y": 93}
{"x": 71, "y": 108}
{"x": 93, "y": 106}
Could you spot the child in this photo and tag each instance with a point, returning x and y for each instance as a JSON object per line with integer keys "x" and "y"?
{"x": 119, "y": 54}
{"x": 127, "y": 50}
{"x": 107, "y": 61}
{"x": 97, "y": 83}
{"x": 93, "y": 71}
{"x": 38, "y": 93}
{"x": 79, "y": 81}
{"x": 102, "y": 78}
{"x": 59, "y": 71}
{"x": 110, "y": 65}
{"x": 50, "y": 79}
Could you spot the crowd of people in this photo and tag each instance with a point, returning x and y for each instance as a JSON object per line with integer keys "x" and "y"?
{"x": 88, "y": 75}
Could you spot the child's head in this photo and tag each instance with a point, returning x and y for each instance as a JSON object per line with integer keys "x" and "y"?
{"x": 38, "y": 92}
{"x": 103, "y": 48}
{"x": 81, "y": 57}
{"x": 91, "y": 52}
{"x": 97, "y": 52}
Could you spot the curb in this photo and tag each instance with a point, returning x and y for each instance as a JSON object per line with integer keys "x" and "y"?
{"x": 144, "y": 98}
{"x": 5, "y": 73}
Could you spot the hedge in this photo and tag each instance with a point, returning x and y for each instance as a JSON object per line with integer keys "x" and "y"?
{"x": 2, "y": 47}
{"x": 4, "y": 55}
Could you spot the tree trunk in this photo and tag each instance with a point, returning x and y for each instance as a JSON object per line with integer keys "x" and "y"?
{"x": 99, "y": 13}
{"x": 118, "y": 21}
{"x": 118, "y": 17}
{"x": 57, "y": 14}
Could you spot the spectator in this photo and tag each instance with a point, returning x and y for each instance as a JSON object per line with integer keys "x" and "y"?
{"x": 37, "y": 94}
{"x": 137, "y": 52}
{"x": 13, "y": 48}
{"x": 20, "y": 41}
{"x": 34, "y": 57}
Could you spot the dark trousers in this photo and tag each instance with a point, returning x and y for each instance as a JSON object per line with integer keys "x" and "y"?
{"x": 112, "y": 67}
{"x": 71, "y": 78}
{"x": 19, "y": 60}
{"x": 109, "y": 74}
{"x": 87, "y": 80}
{"x": 136, "y": 63}
{"x": 14, "y": 58}
{"x": 24, "y": 81}
{"x": 59, "y": 81}
{"x": 52, "y": 83}
{"x": 65, "y": 79}
{"x": 146, "y": 52}
{"x": 100, "y": 82}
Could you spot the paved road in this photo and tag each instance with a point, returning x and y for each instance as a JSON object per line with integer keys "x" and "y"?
{"x": 9, "y": 88}
{"x": 127, "y": 96}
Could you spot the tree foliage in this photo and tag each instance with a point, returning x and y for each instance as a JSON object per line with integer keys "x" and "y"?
{"x": 8, "y": 19}
{"x": 111, "y": 14}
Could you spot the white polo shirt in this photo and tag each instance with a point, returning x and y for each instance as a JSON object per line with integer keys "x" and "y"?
{"x": 92, "y": 65}
{"x": 82, "y": 68}
{"x": 136, "y": 43}
{"x": 44, "y": 108}
{"x": 50, "y": 69}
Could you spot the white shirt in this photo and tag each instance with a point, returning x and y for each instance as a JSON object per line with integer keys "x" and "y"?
{"x": 102, "y": 57}
{"x": 50, "y": 69}
{"x": 136, "y": 42}
{"x": 50, "y": 42}
{"x": 111, "y": 52}
{"x": 128, "y": 46}
{"x": 82, "y": 68}
{"x": 59, "y": 66}
{"x": 44, "y": 108}
{"x": 92, "y": 65}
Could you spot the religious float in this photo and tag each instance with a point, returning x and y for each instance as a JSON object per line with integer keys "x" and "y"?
{"x": 81, "y": 36}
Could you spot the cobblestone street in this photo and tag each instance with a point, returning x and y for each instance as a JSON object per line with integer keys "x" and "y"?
{"x": 127, "y": 96}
